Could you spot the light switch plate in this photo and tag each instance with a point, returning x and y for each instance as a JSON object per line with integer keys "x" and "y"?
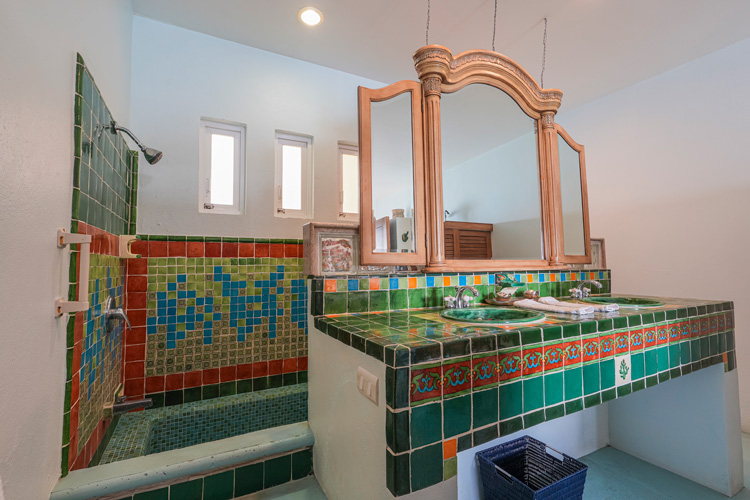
{"x": 367, "y": 383}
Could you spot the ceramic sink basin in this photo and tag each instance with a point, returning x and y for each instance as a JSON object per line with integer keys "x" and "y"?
{"x": 492, "y": 315}
{"x": 628, "y": 302}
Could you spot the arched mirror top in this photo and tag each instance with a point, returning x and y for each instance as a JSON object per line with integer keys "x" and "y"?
{"x": 487, "y": 67}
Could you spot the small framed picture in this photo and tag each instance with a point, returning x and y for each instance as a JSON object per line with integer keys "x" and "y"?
{"x": 598, "y": 254}
{"x": 338, "y": 253}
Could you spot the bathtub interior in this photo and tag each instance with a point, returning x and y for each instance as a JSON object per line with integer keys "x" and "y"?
{"x": 179, "y": 426}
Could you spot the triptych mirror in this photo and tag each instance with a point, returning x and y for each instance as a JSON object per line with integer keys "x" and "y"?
{"x": 466, "y": 169}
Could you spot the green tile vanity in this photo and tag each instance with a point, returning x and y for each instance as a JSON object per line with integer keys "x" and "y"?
{"x": 471, "y": 169}
{"x": 447, "y": 387}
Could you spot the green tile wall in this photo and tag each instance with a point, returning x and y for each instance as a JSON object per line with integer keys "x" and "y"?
{"x": 236, "y": 482}
{"x": 105, "y": 170}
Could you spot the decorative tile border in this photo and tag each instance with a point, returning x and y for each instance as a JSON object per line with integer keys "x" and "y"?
{"x": 237, "y": 481}
{"x": 540, "y": 373}
{"x": 366, "y": 293}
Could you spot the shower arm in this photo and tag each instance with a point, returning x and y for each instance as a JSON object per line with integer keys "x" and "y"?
{"x": 115, "y": 128}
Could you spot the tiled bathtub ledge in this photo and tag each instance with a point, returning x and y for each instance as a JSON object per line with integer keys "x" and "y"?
{"x": 170, "y": 466}
{"x": 452, "y": 386}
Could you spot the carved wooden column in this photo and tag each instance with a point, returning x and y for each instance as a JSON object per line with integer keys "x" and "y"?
{"x": 433, "y": 175}
{"x": 550, "y": 188}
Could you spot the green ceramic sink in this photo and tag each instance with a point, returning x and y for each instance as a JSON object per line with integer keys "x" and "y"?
{"x": 492, "y": 315}
{"x": 631, "y": 302}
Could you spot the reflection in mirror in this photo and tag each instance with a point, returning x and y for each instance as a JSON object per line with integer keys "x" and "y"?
{"x": 572, "y": 199}
{"x": 490, "y": 177}
{"x": 392, "y": 175}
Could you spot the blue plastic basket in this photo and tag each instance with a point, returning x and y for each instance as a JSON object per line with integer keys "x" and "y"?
{"x": 525, "y": 469}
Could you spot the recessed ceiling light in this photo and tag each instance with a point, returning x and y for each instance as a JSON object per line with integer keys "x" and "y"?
{"x": 310, "y": 16}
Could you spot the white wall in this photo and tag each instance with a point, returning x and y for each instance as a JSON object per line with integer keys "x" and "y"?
{"x": 500, "y": 187}
{"x": 669, "y": 185}
{"x": 38, "y": 44}
{"x": 180, "y": 76}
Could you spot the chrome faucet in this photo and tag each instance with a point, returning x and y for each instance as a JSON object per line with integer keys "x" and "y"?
{"x": 458, "y": 302}
{"x": 580, "y": 291}
{"x": 112, "y": 313}
{"x": 123, "y": 405}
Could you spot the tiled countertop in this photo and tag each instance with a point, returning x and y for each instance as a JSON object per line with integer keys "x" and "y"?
{"x": 404, "y": 338}
{"x": 451, "y": 386}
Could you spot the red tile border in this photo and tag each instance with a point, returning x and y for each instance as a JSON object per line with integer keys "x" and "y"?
{"x": 193, "y": 379}
{"x": 211, "y": 376}
{"x": 275, "y": 367}
{"x": 260, "y": 369}
{"x": 230, "y": 250}
{"x": 262, "y": 250}
{"x": 174, "y": 382}
{"x": 244, "y": 371}
{"x": 176, "y": 249}
{"x": 247, "y": 250}
{"x": 277, "y": 250}
{"x": 228, "y": 373}
{"x": 212, "y": 249}
{"x": 194, "y": 249}
{"x": 157, "y": 249}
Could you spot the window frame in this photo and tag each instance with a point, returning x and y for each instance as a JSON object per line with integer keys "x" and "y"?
{"x": 209, "y": 126}
{"x": 306, "y": 181}
{"x": 350, "y": 149}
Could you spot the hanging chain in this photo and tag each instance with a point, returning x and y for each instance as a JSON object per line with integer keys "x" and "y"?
{"x": 427, "y": 31}
{"x": 494, "y": 27}
{"x": 544, "y": 52}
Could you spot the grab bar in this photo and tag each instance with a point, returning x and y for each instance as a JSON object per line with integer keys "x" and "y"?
{"x": 63, "y": 306}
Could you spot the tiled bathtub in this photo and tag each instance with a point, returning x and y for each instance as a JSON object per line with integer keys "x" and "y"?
{"x": 179, "y": 426}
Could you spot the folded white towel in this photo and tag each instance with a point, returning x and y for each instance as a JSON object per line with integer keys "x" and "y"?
{"x": 540, "y": 306}
{"x": 596, "y": 307}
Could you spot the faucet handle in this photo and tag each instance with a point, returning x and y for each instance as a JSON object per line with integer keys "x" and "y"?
{"x": 119, "y": 313}
{"x": 450, "y": 302}
{"x": 467, "y": 301}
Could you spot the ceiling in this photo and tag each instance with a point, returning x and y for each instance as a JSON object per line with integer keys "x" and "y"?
{"x": 594, "y": 47}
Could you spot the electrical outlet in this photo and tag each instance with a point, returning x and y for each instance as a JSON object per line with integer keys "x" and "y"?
{"x": 367, "y": 383}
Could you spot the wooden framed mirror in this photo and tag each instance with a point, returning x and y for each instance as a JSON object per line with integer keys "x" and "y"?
{"x": 502, "y": 185}
{"x": 489, "y": 124}
{"x": 392, "y": 224}
{"x": 573, "y": 210}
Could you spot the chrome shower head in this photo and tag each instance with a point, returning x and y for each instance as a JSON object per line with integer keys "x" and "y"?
{"x": 152, "y": 155}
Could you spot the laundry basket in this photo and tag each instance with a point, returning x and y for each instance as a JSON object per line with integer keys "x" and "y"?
{"x": 527, "y": 469}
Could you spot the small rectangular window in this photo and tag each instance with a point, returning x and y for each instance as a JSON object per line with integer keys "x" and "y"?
{"x": 222, "y": 167}
{"x": 348, "y": 182}
{"x": 293, "y": 176}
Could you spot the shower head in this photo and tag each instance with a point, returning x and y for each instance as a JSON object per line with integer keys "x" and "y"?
{"x": 152, "y": 155}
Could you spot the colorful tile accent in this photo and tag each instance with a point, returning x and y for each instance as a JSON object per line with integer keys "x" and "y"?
{"x": 543, "y": 372}
{"x": 212, "y": 317}
{"x": 361, "y": 294}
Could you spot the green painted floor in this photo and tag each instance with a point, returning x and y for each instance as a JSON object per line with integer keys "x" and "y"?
{"x": 612, "y": 475}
